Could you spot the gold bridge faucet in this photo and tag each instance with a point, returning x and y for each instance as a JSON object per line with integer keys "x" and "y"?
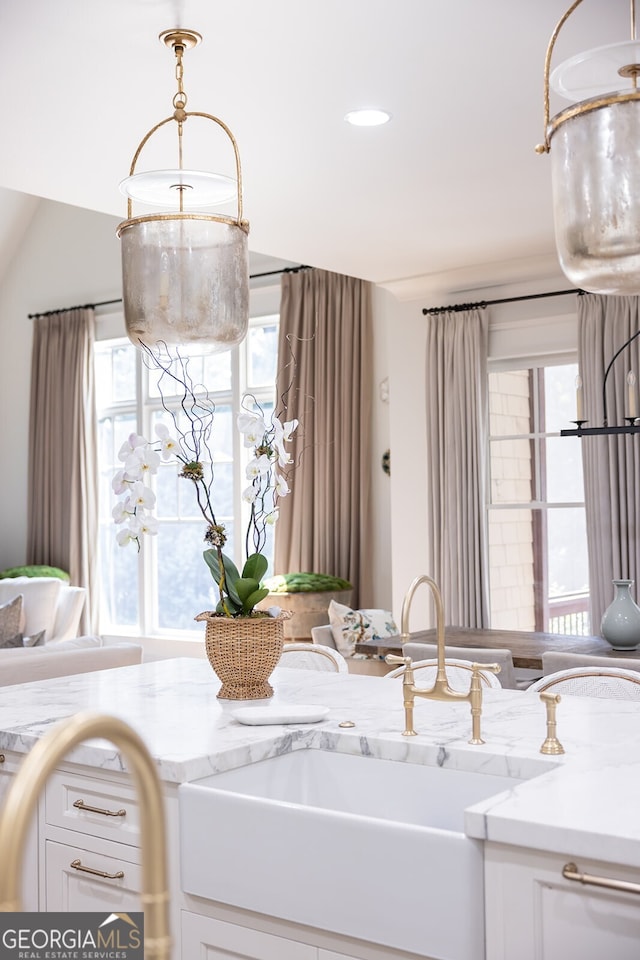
{"x": 23, "y": 794}
{"x": 440, "y": 689}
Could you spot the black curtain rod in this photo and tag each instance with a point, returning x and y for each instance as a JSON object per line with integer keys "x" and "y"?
{"x": 107, "y": 303}
{"x": 481, "y": 304}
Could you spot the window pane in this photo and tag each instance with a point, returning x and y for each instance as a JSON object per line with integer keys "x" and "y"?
{"x": 124, "y": 373}
{"x": 568, "y": 564}
{"x": 263, "y": 351}
{"x": 511, "y": 471}
{"x": 509, "y": 403}
{"x": 534, "y": 582}
{"x": 166, "y": 489}
{"x": 568, "y": 572}
{"x": 118, "y": 582}
{"x": 185, "y": 585}
{"x": 168, "y": 382}
{"x": 511, "y": 570}
{"x": 560, "y": 397}
{"x": 564, "y": 470}
{"x": 217, "y": 372}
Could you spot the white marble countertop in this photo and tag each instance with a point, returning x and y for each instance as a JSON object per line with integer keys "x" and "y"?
{"x": 584, "y": 803}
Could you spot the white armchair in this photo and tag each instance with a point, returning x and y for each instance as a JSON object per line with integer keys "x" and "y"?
{"x": 48, "y": 604}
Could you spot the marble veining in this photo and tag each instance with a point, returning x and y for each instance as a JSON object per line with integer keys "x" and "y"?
{"x": 583, "y": 803}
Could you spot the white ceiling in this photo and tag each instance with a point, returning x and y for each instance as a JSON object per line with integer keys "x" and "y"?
{"x": 451, "y": 188}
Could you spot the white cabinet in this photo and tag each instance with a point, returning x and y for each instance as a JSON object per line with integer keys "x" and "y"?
{"x": 9, "y": 763}
{"x": 91, "y": 836}
{"x": 213, "y": 939}
{"x": 78, "y": 878}
{"x": 534, "y": 913}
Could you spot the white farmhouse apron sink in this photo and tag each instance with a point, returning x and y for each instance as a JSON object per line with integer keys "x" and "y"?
{"x": 368, "y": 848}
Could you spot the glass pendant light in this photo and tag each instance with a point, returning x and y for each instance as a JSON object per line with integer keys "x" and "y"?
{"x": 185, "y": 271}
{"x": 595, "y": 164}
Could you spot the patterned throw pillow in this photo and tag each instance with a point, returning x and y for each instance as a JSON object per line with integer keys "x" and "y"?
{"x": 10, "y": 617}
{"x": 354, "y": 626}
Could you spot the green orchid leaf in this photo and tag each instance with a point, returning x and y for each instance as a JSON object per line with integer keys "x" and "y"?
{"x": 246, "y": 586}
{"x": 228, "y": 608}
{"x": 255, "y": 598}
{"x": 255, "y": 567}
{"x": 231, "y": 575}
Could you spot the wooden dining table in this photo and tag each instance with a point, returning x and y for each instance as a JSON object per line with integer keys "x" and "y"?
{"x": 526, "y": 647}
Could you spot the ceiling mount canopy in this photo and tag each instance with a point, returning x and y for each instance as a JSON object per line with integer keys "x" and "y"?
{"x": 594, "y": 163}
{"x": 185, "y": 270}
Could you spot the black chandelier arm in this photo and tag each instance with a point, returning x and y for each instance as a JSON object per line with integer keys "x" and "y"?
{"x": 606, "y": 374}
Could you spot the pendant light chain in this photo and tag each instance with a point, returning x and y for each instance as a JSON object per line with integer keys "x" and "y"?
{"x": 180, "y": 103}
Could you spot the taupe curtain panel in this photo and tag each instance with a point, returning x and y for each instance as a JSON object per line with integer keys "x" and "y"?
{"x": 325, "y": 380}
{"x": 62, "y": 526}
{"x": 611, "y": 463}
{"x": 456, "y": 389}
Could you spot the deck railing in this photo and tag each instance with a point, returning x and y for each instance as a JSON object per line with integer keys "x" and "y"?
{"x": 570, "y": 615}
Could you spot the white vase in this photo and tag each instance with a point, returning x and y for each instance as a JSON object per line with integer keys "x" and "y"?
{"x": 620, "y": 625}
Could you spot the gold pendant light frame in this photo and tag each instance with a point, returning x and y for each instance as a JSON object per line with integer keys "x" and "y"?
{"x": 179, "y": 41}
{"x": 631, "y": 71}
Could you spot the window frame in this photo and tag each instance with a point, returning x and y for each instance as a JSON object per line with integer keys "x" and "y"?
{"x": 539, "y": 506}
{"x": 142, "y": 408}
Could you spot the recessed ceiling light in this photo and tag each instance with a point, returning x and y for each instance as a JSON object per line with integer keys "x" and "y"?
{"x": 367, "y": 118}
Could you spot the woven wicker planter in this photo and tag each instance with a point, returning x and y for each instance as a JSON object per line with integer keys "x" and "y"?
{"x": 243, "y": 652}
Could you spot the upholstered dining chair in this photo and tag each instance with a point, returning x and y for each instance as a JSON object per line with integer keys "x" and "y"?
{"x": 312, "y": 656}
{"x": 553, "y": 660}
{"x": 458, "y": 671}
{"x": 423, "y": 651}
{"x": 604, "y": 682}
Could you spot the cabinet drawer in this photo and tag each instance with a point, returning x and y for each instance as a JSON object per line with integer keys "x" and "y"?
{"x": 114, "y": 815}
{"x": 211, "y": 939}
{"x": 70, "y": 889}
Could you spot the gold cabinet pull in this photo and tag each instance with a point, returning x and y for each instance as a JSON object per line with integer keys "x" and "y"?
{"x": 571, "y": 872}
{"x": 1, "y": 757}
{"x": 78, "y": 865}
{"x": 81, "y": 805}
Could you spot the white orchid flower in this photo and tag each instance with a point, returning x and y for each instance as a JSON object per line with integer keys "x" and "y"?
{"x": 282, "y": 487}
{"x": 132, "y": 442}
{"x": 120, "y": 512}
{"x": 129, "y": 533}
{"x": 142, "y": 496}
{"x": 120, "y": 483}
{"x": 251, "y": 421}
{"x": 249, "y": 494}
{"x": 252, "y": 427}
{"x": 143, "y": 460}
{"x": 169, "y": 446}
{"x": 149, "y": 526}
{"x": 283, "y": 432}
{"x": 258, "y": 467}
{"x": 272, "y": 518}
{"x": 284, "y": 458}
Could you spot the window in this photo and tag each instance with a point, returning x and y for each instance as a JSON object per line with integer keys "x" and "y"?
{"x": 537, "y": 526}
{"x": 162, "y": 588}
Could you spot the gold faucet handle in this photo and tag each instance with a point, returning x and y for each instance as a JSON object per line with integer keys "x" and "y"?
{"x": 408, "y": 665}
{"x": 392, "y": 658}
{"x": 487, "y": 667}
{"x": 551, "y": 744}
